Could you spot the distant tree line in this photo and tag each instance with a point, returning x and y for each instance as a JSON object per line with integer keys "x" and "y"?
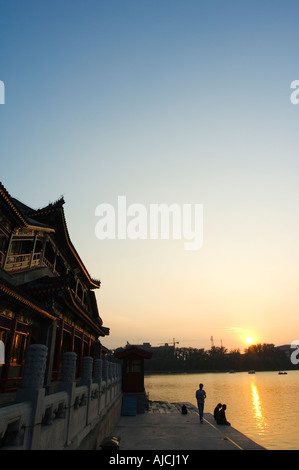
{"x": 256, "y": 357}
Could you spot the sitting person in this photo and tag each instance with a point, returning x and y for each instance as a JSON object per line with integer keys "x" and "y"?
{"x": 216, "y": 411}
{"x": 221, "y": 418}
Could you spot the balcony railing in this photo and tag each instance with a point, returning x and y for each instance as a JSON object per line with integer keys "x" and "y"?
{"x": 21, "y": 262}
{"x": 18, "y": 262}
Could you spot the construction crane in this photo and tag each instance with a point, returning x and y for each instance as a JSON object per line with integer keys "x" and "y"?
{"x": 212, "y": 342}
{"x": 174, "y": 342}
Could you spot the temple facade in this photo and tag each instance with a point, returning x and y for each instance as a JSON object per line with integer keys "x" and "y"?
{"x": 47, "y": 295}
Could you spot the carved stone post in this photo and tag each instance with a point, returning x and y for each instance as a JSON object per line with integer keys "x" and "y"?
{"x": 68, "y": 370}
{"x": 105, "y": 370}
{"x": 105, "y": 377}
{"x": 87, "y": 366}
{"x": 97, "y": 377}
{"x": 35, "y": 367}
{"x": 97, "y": 371}
{"x": 86, "y": 379}
{"x": 68, "y": 384}
{"x": 32, "y": 389}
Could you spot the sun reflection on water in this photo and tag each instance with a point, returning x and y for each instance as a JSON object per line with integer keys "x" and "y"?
{"x": 257, "y": 408}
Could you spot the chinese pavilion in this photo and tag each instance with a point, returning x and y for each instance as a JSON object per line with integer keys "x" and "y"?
{"x": 46, "y": 293}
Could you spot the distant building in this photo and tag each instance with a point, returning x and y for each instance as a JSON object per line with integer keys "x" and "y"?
{"x": 134, "y": 399}
{"x": 46, "y": 293}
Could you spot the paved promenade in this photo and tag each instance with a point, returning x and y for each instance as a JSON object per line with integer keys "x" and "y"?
{"x": 164, "y": 427}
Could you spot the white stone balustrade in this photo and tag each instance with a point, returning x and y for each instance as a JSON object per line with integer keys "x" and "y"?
{"x": 75, "y": 417}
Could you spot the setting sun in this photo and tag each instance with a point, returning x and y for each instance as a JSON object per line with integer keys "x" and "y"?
{"x": 248, "y": 340}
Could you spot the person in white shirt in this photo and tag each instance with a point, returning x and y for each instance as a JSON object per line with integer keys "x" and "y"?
{"x": 200, "y": 397}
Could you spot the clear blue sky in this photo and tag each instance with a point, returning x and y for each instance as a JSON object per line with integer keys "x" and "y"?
{"x": 164, "y": 101}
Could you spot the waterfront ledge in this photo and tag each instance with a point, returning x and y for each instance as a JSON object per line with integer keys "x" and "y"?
{"x": 163, "y": 427}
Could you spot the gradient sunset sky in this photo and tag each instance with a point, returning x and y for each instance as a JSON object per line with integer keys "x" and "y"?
{"x": 164, "y": 101}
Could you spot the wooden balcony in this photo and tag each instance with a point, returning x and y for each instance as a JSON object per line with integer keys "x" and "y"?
{"x": 19, "y": 262}
{"x": 22, "y": 262}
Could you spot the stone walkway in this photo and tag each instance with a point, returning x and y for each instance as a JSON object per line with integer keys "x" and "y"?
{"x": 166, "y": 407}
{"x": 164, "y": 427}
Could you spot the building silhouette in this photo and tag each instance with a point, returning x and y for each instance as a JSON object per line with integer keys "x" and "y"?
{"x": 46, "y": 293}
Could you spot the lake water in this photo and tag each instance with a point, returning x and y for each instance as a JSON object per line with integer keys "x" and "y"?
{"x": 264, "y": 405}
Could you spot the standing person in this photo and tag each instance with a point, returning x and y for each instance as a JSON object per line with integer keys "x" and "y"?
{"x": 200, "y": 397}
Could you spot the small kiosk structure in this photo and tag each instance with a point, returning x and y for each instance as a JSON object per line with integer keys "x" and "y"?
{"x": 134, "y": 396}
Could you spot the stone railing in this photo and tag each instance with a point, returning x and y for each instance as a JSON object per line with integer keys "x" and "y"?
{"x": 66, "y": 419}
